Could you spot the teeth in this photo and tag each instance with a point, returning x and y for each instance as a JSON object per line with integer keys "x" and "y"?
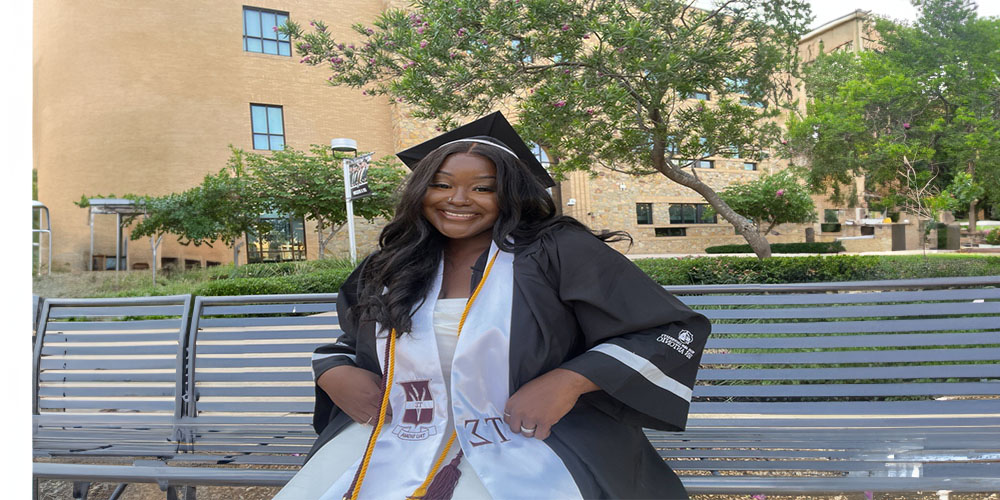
{"x": 453, "y": 214}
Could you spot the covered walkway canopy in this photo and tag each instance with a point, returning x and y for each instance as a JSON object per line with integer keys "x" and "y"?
{"x": 112, "y": 206}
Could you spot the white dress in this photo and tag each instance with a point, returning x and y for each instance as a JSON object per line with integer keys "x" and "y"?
{"x": 332, "y": 460}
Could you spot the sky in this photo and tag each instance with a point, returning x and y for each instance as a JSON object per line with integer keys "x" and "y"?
{"x": 825, "y": 11}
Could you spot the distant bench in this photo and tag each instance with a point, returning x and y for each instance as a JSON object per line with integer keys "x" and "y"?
{"x": 886, "y": 386}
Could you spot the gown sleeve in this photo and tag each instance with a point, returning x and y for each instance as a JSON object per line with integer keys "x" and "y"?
{"x": 642, "y": 345}
{"x": 342, "y": 352}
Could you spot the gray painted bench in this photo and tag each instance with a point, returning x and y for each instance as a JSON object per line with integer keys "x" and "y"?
{"x": 823, "y": 388}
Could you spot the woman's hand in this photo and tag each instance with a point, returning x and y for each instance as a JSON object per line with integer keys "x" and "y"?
{"x": 539, "y": 404}
{"x": 354, "y": 390}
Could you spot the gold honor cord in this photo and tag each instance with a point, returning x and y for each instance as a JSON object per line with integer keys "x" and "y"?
{"x": 390, "y": 365}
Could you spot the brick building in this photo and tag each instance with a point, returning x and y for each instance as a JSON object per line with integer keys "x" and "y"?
{"x": 146, "y": 97}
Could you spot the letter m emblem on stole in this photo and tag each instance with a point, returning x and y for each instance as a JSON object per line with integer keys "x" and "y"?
{"x": 418, "y": 412}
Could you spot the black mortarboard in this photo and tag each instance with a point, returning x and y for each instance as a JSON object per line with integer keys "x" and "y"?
{"x": 492, "y": 128}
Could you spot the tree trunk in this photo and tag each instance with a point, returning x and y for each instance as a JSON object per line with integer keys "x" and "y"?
{"x": 973, "y": 218}
{"x": 744, "y": 227}
{"x": 319, "y": 238}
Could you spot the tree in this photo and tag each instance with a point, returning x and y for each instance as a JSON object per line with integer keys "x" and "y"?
{"x": 771, "y": 200}
{"x": 597, "y": 83}
{"x": 311, "y": 185}
{"x": 911, "y": 118}
{"x": 224, "y": 206}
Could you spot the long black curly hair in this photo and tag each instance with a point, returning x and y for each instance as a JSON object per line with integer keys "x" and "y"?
{"x": 410, "y": 248}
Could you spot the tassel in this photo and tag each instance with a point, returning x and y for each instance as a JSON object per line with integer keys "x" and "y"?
{"x": 443, "y": 485}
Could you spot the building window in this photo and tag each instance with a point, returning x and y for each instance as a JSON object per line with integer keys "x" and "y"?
{"x": 691, "y": 213}
{"x": 643, "y": 213}
{"x": 268, "y": 127}
{"x": 540, "y": 154}
{"x": 756, "y": 104}
{"x": 670, "y": 231}
{"x": 697, "y": 94}
{"x": 260, "y": 32}
{"x": 704, "y": 163}
{"x": 749, "y": 165}
{"x": 286, "y": 240}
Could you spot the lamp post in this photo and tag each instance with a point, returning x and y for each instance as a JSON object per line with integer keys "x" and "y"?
{"x": 343, "y": 144}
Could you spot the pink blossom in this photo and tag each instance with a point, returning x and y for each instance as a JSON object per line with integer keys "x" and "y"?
{"x": 565, "y": 27}
{"x": 779, "y": 193}
{"x": 274, "y": 29}
{"x": 340, "y": 46}
{"x": 351, "y": 46}
{"x": 423, "y": 43}
{"x": 621, "y": 50}
{"x": 364, "y": 92}
{"x": 784, "y": 141}
{"x": 590, "y": 111}
{"x": 759, "y": 497}
{"x": 371, "y": 60}
{"x": 531, "y": 91}
{"x": 586, "y": 37}
{"x": 462, "y": 31}
{"x": 566, "y": 71}
{"x": 420, "y": 30}
{"x": 321, "y": 29}
{"x": 305, "y": 46}
{"x": 459, "y": 10}
{"x": 560, "y": 103}
{"x": 311, "y": 23}
{"x": 869, "y": 495}
{"x": 452, "y": 55}
{"x": 906, "y": 125}
{"x": 370, "y": 31}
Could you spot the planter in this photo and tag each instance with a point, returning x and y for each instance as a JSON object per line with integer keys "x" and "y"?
{"x": 829, "y": 227}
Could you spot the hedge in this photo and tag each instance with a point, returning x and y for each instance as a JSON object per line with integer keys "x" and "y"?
{"x": 815, "y": 247}
{"x": 326, "y": 277}
{"x": 812, "y": 269}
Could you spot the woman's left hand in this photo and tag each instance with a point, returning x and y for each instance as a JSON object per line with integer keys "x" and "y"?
{"x": 539, "y": 404}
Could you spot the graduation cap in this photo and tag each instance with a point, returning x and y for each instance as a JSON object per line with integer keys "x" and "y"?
{"x": 493, "y": 129}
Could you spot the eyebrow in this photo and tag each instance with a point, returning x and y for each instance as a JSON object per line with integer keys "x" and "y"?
{"x": 449, "y": 174}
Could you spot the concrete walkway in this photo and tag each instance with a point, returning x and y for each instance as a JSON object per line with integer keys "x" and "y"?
{"x": 681, "y": 255}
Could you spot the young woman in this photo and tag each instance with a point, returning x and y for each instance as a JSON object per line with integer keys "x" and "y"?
{"x": 520, "y": 355}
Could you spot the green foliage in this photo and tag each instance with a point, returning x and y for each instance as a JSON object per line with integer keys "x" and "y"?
{"x": 604, "y": 83}
{"x": 322, "y": 281}
{"x": 311, "y": 185}
{"x": 993, "y": 237}
{"x": 815, "y": 247}
{"x": 771, "y": 200}
{"x": 913, "y": 117}
{"x": 809, "y": 269}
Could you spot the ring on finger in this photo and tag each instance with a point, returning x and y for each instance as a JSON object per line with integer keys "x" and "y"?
{"x": 525, "y": 430}
{"x": 506, "y": 414}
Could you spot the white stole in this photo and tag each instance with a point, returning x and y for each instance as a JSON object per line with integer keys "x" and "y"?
{"x": 509, "y": 465}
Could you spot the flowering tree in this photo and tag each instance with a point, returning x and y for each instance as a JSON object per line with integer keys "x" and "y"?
{"x": 771, "y": 200}
{"x": 597, "y": 83}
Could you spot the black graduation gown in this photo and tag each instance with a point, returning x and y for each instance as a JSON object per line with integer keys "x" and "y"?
{"x": 573, "y": 292}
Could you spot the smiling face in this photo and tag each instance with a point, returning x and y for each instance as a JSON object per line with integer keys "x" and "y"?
{"x": 461, "y": 199}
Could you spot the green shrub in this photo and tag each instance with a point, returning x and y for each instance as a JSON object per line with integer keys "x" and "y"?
{"x": 812, "y": 269}
{"x": 323, "y": 281}
{"x": 815, "y": 247}
{"x": 993, "y": 237}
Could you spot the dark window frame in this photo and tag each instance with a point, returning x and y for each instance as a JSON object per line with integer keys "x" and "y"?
{"x": 267, "y": 126}
{"x": 691, "y": 213}
{"x": 698, "y": 164}
{"x": 670, "y": 232}
{"x": 278, "y": 39}
{"x": 639, "y": 215}
{"x": 752, "y": 164}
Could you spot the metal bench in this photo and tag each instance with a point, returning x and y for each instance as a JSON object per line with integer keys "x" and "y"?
{"x": 848, "y": 387}
{"x": 108, "y": 379}
{"x": 821, "y": 388}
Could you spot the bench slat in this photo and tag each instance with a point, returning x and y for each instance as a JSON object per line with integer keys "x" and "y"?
{"x": 838, "y": 390}
{"x": 324, "y": 335}
{"x": 110, "y": 363}
{"x": 284, "y": 321}
{"x": 172, "y": 325}
{"x": 874, "y": 326}
{"x": 882, "y": 356}
{"x": 291, "y": 308}
{"x": 840, "y": 298}
{"x": 115, "y": 311}
{"x": 878, "y": 311}
{"x": 853, "y": 373}
{"x": 877, "y": 340}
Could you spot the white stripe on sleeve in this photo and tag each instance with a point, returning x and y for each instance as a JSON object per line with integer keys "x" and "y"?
{"x": 316, "y": 357}
{"x": 646, "y": 369}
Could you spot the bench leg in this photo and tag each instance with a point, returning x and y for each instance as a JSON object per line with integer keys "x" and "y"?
{"x": 118, "y": 491}
{"x": 189, "y": 492}
{"x": 943, "y": 494}
{"x": 80, "y": 489}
